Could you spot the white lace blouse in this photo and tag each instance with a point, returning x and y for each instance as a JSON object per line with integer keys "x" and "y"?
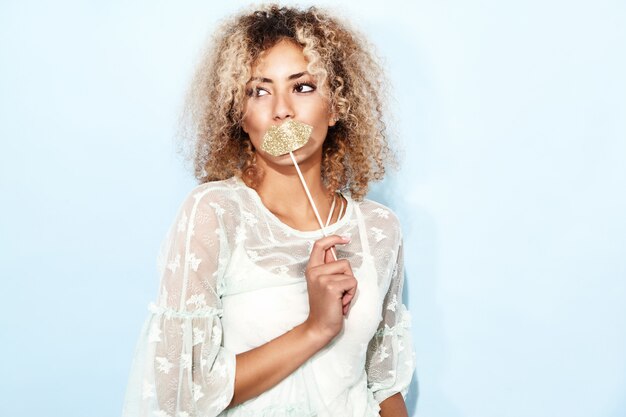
{"x": 232, "y": 278}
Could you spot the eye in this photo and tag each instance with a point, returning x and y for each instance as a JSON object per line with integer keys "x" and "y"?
{"x": 256, "y": 92}
{"x": 260, "y": 92}
{"x": 304, "y": 88}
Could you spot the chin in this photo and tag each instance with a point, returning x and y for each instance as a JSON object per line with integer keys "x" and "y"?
{"x": 285, "y": 160}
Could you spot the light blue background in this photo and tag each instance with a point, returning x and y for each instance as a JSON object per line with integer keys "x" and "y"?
{"x": 512, "y": 121}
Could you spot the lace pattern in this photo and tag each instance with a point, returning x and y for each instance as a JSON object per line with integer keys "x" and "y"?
{"x": 182, "y": 366}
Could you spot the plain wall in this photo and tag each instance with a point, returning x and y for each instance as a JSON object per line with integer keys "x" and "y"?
{"x": 511, "y": 120}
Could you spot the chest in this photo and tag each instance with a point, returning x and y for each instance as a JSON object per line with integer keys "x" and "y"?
{"x": 259, "y": 305}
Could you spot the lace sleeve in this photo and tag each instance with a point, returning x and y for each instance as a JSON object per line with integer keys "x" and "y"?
{"x": 180, "y": 368}
{"x": 390, "y": 356}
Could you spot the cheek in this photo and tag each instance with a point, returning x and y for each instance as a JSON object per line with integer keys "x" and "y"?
{"x": 244, "y": 117}
{"x": 248, "y": 122}
{"x": 253, "y": 119}
{"x": 322, "y": 113}
{"x": 254, "y": 129}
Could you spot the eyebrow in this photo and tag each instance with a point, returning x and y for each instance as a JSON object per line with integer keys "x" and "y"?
{"x": 270, "y": 81}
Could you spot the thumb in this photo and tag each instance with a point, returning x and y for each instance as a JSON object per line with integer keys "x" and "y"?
{"x": 328, "y": 255}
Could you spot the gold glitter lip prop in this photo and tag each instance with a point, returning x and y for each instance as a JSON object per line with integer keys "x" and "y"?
{"x": 291, "y": 135}
{"x": 284, "y": 139}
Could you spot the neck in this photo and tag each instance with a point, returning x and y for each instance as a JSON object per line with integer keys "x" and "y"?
{"x": 283, "y": 194}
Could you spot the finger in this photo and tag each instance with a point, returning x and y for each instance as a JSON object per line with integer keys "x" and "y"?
{"x": 345, "y": 309}
{"x": 348, "y": 296}
{"x": 328, "y": 255}
{"x": 337, "y": 287}
{"x": 318, "y": 252}
{"x": 340, "y": 267}
{"x": 348, "y": 300}
{"x": 345, "y": 287}
{"x": 333, "y": 254}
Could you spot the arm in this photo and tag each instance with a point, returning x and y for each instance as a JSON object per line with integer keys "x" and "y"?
{"x": 393, "y": 407}
{"x": 261, "y": 368}
{"x": 390, "y": 358}
{"x": 180, "y": 367}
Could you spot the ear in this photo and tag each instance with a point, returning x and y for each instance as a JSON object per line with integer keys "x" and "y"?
{"x": 333, "y": 118}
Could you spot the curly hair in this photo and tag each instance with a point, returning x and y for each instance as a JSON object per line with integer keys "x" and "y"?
{"x": 356, "y": 149}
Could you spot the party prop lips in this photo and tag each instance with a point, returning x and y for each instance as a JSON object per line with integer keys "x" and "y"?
{"x": 285, "y": 138}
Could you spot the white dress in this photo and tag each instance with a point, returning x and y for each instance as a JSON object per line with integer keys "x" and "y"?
{"x": 232, "y": 278}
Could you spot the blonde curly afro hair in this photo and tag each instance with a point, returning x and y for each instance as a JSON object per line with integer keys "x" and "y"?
{"x": 356, "y": 149}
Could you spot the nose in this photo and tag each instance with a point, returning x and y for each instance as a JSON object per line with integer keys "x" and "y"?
{"x": 283, "y": 107}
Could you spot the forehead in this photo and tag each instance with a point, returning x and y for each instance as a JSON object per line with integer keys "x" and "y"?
{"x": 284, "y": 57}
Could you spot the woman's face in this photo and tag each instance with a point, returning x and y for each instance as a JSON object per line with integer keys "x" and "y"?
{"x": 281, "y": 89}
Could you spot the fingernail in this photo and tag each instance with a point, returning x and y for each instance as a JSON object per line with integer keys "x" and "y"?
{"x": 346, "y": 238}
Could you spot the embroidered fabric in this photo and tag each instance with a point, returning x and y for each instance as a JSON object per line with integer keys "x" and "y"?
{"x": 232, "y": 279}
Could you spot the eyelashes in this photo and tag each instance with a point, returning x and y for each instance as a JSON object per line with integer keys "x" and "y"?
{"x": 309, "y": 87}
{"x": 300, "y": 87}
{"x": 256, "y": 92}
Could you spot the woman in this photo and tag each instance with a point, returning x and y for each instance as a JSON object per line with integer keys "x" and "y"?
{"x": 255, "y": 317}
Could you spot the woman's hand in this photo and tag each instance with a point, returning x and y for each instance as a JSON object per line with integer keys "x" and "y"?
{"x": 331, "y": 286}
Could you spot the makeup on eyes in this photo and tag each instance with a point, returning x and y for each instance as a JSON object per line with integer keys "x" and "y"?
{"x": 255, "y": 89}
{"x": 305, "y": 84}
{"x": 297, "y": 87}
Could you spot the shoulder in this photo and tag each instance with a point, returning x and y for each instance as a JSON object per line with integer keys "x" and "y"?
{"x": 215, "y": 192}
{"x": 213, "y": 196}
{"x": 381, "y": 221}
{"x": 376, "y": 212}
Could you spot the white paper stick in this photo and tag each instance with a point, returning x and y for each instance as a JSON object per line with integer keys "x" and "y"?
{"x": 330, "y": 212}
{"x": 308, "y": 194}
